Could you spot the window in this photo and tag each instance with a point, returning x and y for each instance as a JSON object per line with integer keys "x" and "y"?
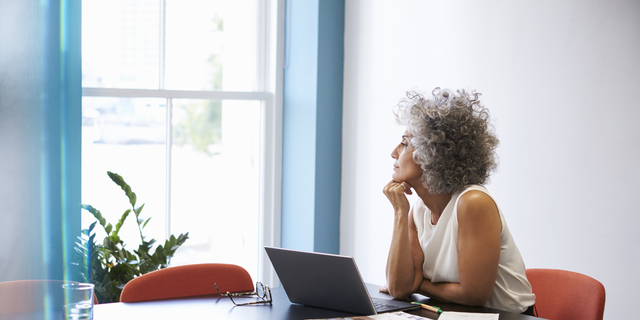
{"x": 179, "y": 99}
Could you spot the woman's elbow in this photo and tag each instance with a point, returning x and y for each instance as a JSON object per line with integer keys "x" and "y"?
{"x": 478, "y": 298}
{"x": 398, "y": 293}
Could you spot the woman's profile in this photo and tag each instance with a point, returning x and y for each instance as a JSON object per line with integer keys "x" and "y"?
{"x": 453, "y": 244}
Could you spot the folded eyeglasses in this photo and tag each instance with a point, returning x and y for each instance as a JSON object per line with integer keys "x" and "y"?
{"x": 262, "y": 292}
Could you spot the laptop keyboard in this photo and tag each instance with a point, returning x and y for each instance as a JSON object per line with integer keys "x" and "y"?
{"x": 384, "y": 306}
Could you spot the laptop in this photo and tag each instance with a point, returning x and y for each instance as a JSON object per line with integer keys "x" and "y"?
{"x": 327, "y": 281}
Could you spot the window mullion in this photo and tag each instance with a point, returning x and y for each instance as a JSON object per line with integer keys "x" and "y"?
{"x": 163, "y": 16}
{"x": 169, "y": 123}
{"x": 169, "y": 144}
{"x": 262, "y": 27}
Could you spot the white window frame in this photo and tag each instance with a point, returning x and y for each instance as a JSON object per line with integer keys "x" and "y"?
{"x": 270, "y": 37}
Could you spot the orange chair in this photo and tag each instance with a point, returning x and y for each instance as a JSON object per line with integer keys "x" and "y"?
{"x": 566, "y": 295}
{"x": 187, "y": 281}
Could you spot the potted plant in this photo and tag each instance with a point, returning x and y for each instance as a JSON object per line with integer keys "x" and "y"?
{"x": 109, "y": 264}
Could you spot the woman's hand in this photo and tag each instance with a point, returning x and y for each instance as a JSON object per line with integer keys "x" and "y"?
{"x": 395, "y": 192}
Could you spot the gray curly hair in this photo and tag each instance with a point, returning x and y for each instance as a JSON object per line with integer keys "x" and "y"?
{"x": 453, "y": 138}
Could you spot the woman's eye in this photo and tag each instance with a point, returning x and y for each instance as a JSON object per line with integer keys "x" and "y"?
{"x": 404, "y": 143}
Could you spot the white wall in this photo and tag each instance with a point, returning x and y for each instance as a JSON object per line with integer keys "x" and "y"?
{"x": 561, "y": 79}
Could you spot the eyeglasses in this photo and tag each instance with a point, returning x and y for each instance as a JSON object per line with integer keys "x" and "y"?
{"x": 263, "y": 292}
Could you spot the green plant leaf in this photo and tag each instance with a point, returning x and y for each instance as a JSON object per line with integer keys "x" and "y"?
{"x": 139, "y": 209}
{"x": 91, "y": 226}
{"x": 96, "y": 214}
{"x": 108, "y": 228}
{"x": 182, "y": 238}
{"x": 124, "y": 186}
{"x": 116, "y": 239}
{"x": 160, "y": 256}
{"x": 109, "y": 244}
{"x": 145, "y": 223}
{"x": 121, "y": 221}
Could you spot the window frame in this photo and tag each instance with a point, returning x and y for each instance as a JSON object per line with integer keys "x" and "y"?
{"x": 268, "y": 90}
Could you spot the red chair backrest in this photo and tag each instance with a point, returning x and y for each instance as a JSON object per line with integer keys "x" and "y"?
{"x": 187, "y": 281}
{"x": 566, "y": 295}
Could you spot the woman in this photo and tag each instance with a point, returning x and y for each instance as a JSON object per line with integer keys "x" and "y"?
{"x": 453, "y": 244}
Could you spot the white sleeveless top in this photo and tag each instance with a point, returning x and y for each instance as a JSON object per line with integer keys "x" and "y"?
{"x": 512, "y": 291}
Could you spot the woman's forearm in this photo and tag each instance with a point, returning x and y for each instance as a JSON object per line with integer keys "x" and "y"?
{"x": 452, "y": 292}
{"x": 401, "y": 275}
{"x": 400, "y": 266}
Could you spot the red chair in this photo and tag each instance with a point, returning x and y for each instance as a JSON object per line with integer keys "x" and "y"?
{"x": 187, "y": 281}
{"x": 566, "y": 295}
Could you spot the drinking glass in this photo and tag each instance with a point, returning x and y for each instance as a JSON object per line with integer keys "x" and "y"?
{"x": 78, "y": 301}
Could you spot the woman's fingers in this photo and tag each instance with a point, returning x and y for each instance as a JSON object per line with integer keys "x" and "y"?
{"x": 406, "y": 187}
{"x": 395, "y": 186}
{"x": 392, "y": 189}
{"x": 395, "y": 192}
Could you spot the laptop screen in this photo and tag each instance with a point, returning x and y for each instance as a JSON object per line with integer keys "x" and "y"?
{"x": 323, "y": 280}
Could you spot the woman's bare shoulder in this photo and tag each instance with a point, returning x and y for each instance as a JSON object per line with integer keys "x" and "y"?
{"x": 476, "y": 204}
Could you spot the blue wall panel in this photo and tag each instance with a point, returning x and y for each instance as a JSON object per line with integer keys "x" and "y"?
{"x": 312, "y": 125}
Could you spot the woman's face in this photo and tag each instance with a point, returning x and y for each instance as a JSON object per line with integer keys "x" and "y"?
{"x": 404, "y": 168}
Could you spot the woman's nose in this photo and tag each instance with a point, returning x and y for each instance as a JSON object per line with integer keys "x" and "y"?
{"x": 394, "y": 153}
